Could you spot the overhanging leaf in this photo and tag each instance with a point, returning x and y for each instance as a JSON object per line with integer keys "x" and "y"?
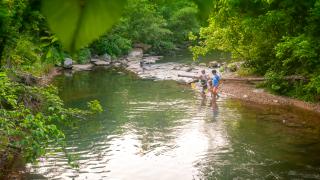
{"x": 78, "y": 22}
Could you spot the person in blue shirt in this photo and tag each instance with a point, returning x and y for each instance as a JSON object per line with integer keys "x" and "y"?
{"x": 215, "y": 84}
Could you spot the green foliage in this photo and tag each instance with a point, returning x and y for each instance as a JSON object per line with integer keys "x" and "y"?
{"x": 21, "y": 122}
{"x": 83, "y": 56}
{"x": 112, "y": 44}
{"x": 183, "y": 22}
{"x": 95, "y": 106}
{"x": 243, "y": 71}
{"x": 51, "y": 49}
{"x": 274, "y": 38}
{"x": 78, "y": 22}
{"x": 28, "y": 117}
{"x": 143, "y": 24}
{"x": 160, "y": 25}
{"x": 297, "y": 55}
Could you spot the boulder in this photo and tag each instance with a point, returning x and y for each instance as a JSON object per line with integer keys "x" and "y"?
{"x": 213, "y": 64}
{"x": 202, "y": 64}
{"x": 186, "y": 69}
{"x": 101, "y": 63}
{"x": 67, "y": 64}
{"x": 106, "y": 57}
{"x": 136, "y": 53}
{"x": 232, "y": 67}
{"x": 117, "y": 64}
{"x": 94, "y": 60}
{"x": 82, "y": 67}
{"x": 143, "y": 46}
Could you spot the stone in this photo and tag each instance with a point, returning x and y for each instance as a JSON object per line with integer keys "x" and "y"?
{"x": 101, "y": 63}
{"x": 258, "y": 90}
{"x": 143, "y": 46}
{"x": 232, "y": 67}
{"x": 176, "y": 68}
{"x": 245, "y": 96}
{"x": 67, "y": 64}
{"x": 117, "y": 64}
{"x": 186, "y": 69}
{"x": 106, "y": 57}
{"x": 82, "y": 67}
{"x": 213, "y": 64}
{"x": 94, "y": 60}
{"x": 202, "y": 64}
{"x": 136, "y": 53}
{"x": 189, "y": 69}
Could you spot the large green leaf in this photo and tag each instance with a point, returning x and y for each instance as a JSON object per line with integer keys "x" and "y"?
{"x": 78, "y": 22}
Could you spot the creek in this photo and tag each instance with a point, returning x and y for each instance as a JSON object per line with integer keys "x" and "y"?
{"x": 163, "y": 130}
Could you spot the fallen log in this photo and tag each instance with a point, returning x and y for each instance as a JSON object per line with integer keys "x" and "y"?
{"x": 188, "y": 76}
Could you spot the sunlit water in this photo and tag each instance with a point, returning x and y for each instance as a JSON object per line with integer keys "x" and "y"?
{"x": 162, "y": 130}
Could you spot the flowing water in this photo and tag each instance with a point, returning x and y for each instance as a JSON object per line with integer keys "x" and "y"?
{"x": 162, "y": 130}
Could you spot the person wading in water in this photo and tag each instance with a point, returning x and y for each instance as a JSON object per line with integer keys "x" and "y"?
{"x": 203, "y": 79}
{"x": 215, "y": 84}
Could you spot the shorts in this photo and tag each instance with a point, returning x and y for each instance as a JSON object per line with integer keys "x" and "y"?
{"x": 215, "y": 89}
{"x": 204, "y": 87}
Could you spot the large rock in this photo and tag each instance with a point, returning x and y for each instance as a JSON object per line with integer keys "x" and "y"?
{"x": 106, "y": 57}
{"x": 186, "y": 69}
{"x": 213, "y": 64}
{"x": 117, "y": 64}
{"x": 94, "y": 60}
{"x": 232, "y": 67}
{"x": 136, "y": 53}
{"x": 67, "y": 64}
{"x": 82, "y": 67}
{"x": 151, "y": 59}
{"x": 202, "y": 64}
{"x": 145, "y": 47}
{"x": 101, "y": 63}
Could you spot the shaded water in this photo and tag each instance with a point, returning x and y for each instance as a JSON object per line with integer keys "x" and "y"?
{"x": 185, "y": 56}
{"x": 162, "y": 130}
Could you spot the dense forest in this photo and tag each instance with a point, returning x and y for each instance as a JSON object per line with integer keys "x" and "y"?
{"x": 274, "y": 38}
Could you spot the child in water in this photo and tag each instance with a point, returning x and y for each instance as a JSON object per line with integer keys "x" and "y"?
{"x": 215, "y": 84}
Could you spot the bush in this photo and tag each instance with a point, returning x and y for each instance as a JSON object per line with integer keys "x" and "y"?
{"x": 112, "y": 44}
{"x": 313, "y": 89}
{"x": 83, "y": 56}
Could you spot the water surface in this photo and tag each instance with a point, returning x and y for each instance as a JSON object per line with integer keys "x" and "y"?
{"x": 162, "y": 130}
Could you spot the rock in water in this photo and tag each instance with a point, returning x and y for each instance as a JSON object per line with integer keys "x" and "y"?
{"x": 67, "y": 64}
{"x": 101, "y": 63}
{"x": 82, "y": 67}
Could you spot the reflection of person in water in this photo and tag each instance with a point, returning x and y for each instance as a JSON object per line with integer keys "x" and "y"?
{"x": 215, "y": 108}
